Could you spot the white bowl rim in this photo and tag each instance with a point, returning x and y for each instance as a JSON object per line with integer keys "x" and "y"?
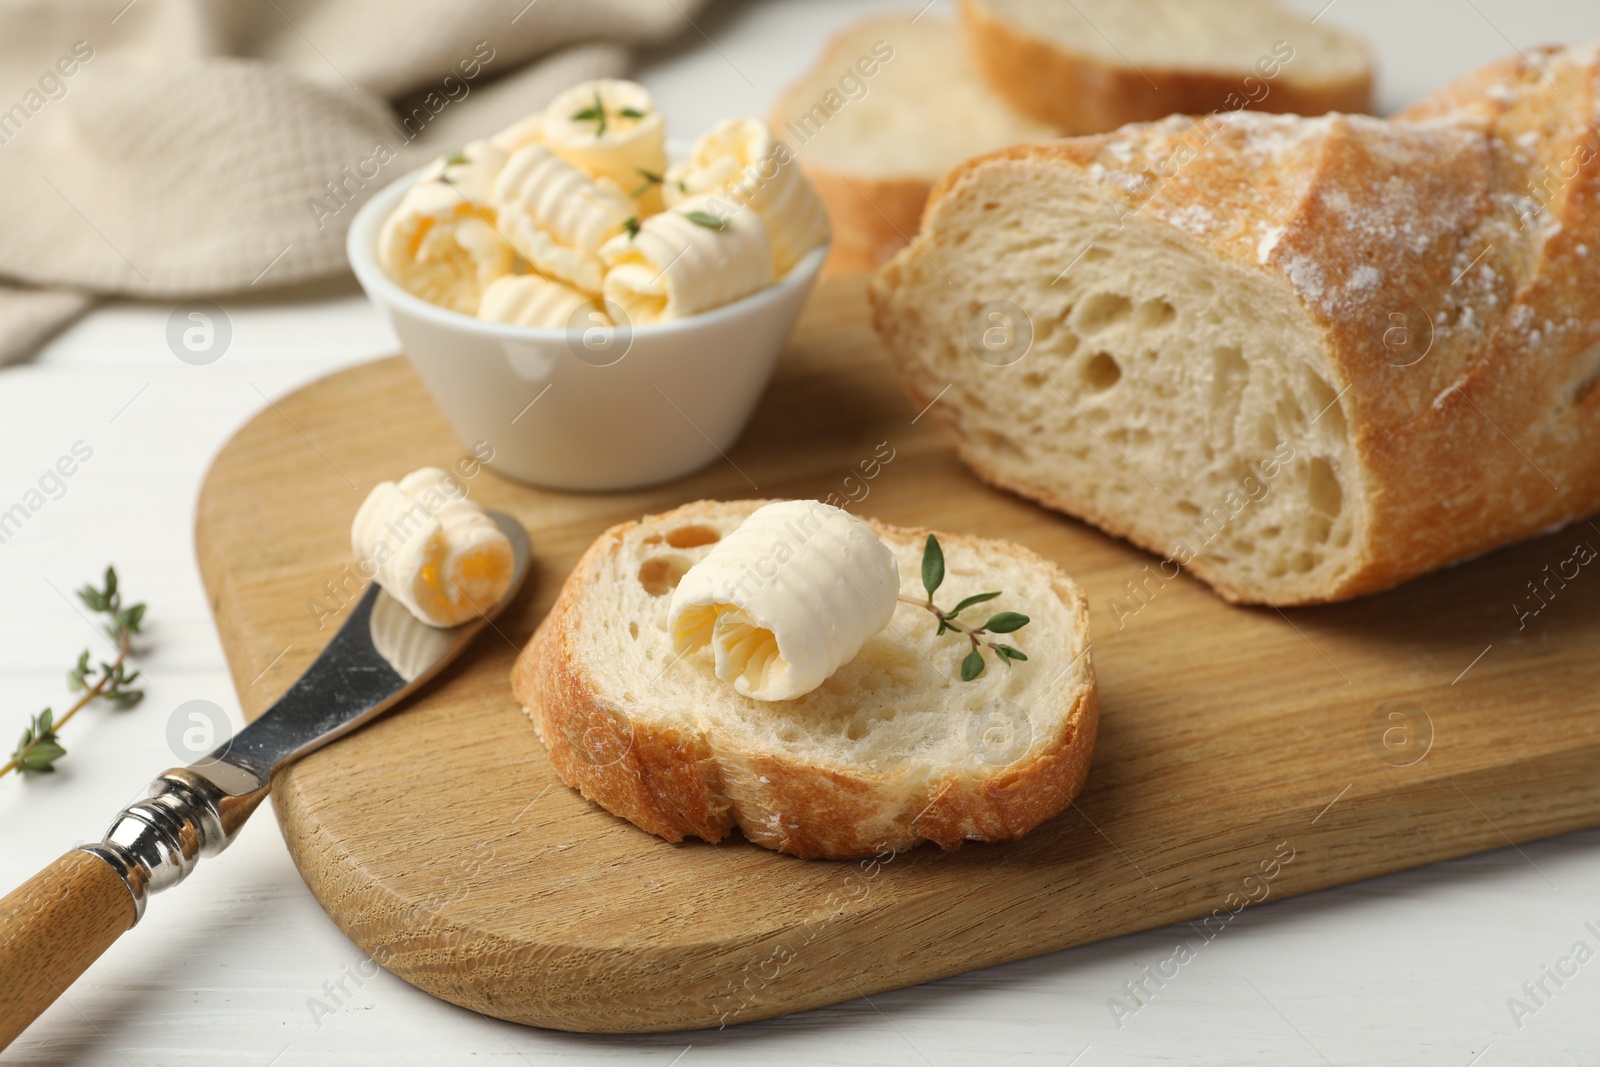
{"x": 361, "y": 250}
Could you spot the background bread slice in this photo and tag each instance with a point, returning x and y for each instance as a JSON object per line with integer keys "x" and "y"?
{"x": 892, "y": 749}
{"x": 1092, "y": 65}
{"x": 886, "y": 110}
{"x": 1304, "y": 358}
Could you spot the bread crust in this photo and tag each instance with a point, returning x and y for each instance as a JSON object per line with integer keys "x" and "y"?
{"x": 1084, "y": 94}
{"x": 872, "y": 218}
{"x": 679, "y": 786}
{"x": 1494, "y": 437}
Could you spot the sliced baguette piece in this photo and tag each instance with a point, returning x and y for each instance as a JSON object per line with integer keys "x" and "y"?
{"x": 1090, "y": 66}
{"x": 892, "y": 749}
{"x": 888, "y": 108}
{"x": 1304, "y": 358}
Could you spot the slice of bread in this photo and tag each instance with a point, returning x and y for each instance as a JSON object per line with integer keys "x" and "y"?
{"x": 892, "y": 749}
{"x": 1090, "y": 66}
{"x": 888, "y": 108}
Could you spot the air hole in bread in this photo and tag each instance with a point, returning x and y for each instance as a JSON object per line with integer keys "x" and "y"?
{"x": 1101, "y": 372}
{"x": 1239, "y": 473}
{"x": 1188, "y": 510}
{"x": 1068, "y": 345}
{"x": 1326, "y": 411}
{"x": 1267, "y": 437}
{"x": 1001, "y": 442}
{"x": 660, "y": 575}
{"x": 1154, "y": 314}
{"x": 1323, "y": 491}
{"x": 692, "y": 536}
{"x": 1291, "y": 420}
{"x": 1102, "y": 311}
{"x": 1129, "y": 436}
{"x": 1229, "y": 373}
{"x": 633, "y": 630}
{"x": 1096, "y": 254}
{"x": 1270, "y": 533}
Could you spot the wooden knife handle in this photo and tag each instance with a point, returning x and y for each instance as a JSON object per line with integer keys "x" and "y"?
{"x": 51, "y": 928}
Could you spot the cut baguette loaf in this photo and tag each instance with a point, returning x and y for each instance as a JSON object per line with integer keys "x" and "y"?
{"x": 1094, "y": 65}
{"x": 887, "y": 109}
{"x": 892, "y": 749}
{"x": 1305, "y": 358}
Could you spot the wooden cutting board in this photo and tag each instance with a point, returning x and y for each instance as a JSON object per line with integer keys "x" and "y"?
{"x": 1244, "y": 753}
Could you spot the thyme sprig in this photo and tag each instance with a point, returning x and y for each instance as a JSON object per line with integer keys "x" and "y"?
{"x": 41, "y": 746}
{"x": 597, "y": 115}
{"x": 650, "y": 178}
{"x": 706, "y": 219}
{"x": 977, "y": 636}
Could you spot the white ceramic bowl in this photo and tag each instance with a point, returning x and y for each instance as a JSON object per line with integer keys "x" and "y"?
{"x": 597, "y": 408}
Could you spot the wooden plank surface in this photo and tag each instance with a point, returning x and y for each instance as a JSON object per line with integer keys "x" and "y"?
{"x": 1244, "y": 753}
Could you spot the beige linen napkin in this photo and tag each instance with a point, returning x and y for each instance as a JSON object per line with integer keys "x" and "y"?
{"x": 171, "y": 148}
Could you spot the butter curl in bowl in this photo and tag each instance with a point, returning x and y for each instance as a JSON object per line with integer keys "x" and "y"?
{"x": 599, "y": 312}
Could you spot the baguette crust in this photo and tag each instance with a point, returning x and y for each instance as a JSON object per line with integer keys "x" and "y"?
{"x": 873, "y": 218}
{"x": 675, "y": 785}
{"x": 1493, "y": 436}
{"x": 1084, "y": 94}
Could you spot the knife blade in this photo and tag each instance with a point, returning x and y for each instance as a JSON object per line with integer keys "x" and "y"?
{"x": 378, "y": 658}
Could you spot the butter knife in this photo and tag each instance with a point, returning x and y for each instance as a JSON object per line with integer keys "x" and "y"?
{"x": 61, "y": 920}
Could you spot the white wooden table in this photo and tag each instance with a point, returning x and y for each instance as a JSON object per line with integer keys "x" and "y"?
{"x": 1415, "y": 968}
